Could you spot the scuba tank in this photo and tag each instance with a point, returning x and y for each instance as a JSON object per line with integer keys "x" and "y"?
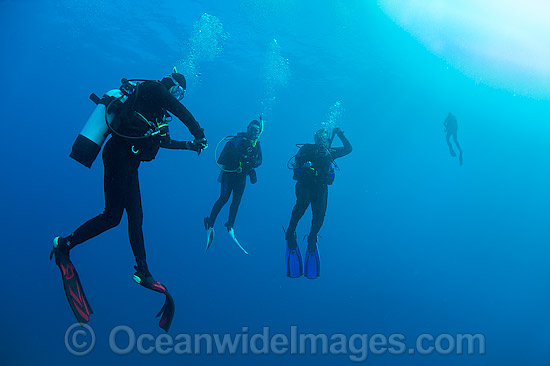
{"x": 89, "y": 141}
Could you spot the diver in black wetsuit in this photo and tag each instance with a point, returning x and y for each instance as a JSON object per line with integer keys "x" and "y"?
{"x": 451, "y": 127}
{"x": 240, "y": 156}
{"x": 314, "y": 172}
{"x": 139, "y": 130}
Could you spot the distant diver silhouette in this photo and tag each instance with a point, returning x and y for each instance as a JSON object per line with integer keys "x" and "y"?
{"x": 451, "y": 126}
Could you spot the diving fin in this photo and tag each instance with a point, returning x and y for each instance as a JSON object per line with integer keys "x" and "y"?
{"x": 209, "y": 238}
{"x": 71, "y": 282}
{"x": 232, "y": 235}
{"x": 312, "y": 265}
{"x": 167, "y": 311}
{"x": 293, "y": 263}
{"x": 293, "y": 257}
{"x": 209, "y": 233}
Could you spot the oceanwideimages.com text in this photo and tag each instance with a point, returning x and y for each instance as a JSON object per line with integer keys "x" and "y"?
{"x": 357, "y": 347}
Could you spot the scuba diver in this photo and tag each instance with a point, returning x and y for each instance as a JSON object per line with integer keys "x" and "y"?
{"x": 238, "y": 159}
{"x": 136, "y": 115}
{"x": 451, "y": 126}
{"x": 314, "y": 171}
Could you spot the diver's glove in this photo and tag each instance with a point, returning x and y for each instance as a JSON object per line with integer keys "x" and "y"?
{"x": 338, "y": 131}
{"x": 201, "y": 142}
{"x": 198, "y": 145}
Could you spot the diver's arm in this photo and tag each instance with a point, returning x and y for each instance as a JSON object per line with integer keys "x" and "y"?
{"x": 168, "y": 143}
{"x": 257, "y": 161}
{"x": 177, "y": 109}
{"x": 338, "y": 152}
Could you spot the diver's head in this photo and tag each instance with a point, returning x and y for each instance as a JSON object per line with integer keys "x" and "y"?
{"x": 322, "y": 137}
{"x": 254, "y": 130}
{"x": 175, "y": 83}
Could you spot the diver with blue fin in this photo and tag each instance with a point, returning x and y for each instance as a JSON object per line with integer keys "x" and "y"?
{"x": 136, "y": 116}
{"x": 314, "y": 171}
{"x": 239, "y": 158}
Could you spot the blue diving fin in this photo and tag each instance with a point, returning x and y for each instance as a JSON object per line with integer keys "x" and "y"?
{"x": 312, "y": 265}
{"x": 293, "y": 263}
{"x": 293, "y": 257}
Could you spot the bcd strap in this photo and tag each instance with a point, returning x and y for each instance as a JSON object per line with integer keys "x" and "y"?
{"x": 105, "y": 100}
{"x": 94, "y": 98}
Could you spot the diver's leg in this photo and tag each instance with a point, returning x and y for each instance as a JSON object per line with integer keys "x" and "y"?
{"x": 318, "y": 208}
{"x": 455, "y": 138}
{"x": 239, "y": 183}
{"x": 303, "y": 199}
{"x": 225, "y": 192}
{"x": 134, "y": 211}
{"x": 460, "y": 160}
{"x": 117, "y": 170}
{"x": 447, "y": 138}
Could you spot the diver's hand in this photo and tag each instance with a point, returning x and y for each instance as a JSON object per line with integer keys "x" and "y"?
{"x": 338, "y": 131}
{"x": 190, "y": 145}
{"x": 199, "y": 145}
{"x": 202, "y": 142}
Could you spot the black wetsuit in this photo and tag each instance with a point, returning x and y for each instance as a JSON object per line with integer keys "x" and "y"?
{"x": 314, "y": 172}
{"x": 238, "y": 152}
{"x": 121, "y": 159}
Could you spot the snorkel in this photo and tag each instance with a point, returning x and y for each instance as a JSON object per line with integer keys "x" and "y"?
{"x": 260, "y": 125}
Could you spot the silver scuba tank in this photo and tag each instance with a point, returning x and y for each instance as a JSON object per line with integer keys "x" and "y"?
{"x": 89, "y": 141}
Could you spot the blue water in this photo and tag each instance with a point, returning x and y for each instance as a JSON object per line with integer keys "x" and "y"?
{"x": 412, "y": 243}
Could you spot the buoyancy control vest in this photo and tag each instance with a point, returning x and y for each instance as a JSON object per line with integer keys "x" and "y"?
{"x": 118, "y": 113}
{"x": 313, "y": 164}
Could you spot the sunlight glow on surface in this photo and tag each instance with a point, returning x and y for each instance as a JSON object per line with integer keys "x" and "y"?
{"x": 502, "y": 42}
